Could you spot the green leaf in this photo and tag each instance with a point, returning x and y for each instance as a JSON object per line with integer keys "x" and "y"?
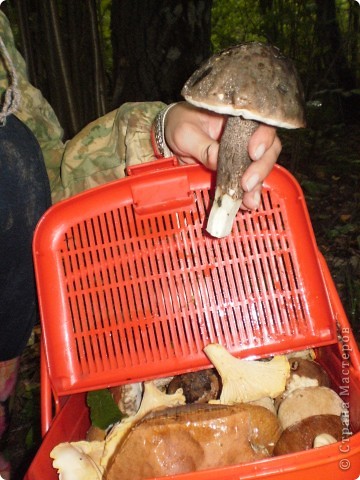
{"x": 103, "y": 410}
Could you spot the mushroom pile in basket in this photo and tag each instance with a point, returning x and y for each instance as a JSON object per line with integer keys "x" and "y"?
{"x": 239, "y": 411}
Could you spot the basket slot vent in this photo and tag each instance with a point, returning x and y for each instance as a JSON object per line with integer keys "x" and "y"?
{"x": 150, "y": 289}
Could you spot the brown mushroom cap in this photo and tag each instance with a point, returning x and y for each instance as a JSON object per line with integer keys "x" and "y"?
{"x": 197, "y": 387}
{"x": 95, "y": 433}
{"x": 301, "y": 435}
{"x": 303, "y": 373}
{"x": 302, "y": 369}
{"x": 252, "y": 80}
{"x": 194, "y": 437}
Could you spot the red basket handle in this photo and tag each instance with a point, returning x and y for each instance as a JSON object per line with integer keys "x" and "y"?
{"x": 156, "y": 165}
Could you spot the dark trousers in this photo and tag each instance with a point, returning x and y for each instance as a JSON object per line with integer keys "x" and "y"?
{"x": 24, "y": 196}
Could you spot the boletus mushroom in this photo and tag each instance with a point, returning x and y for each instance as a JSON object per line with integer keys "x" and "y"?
{"x": 309, "y": 401}
{"x": 310, "y": 418}
{"x": 197, "y": 387}
{"x": 304, "y": 373}
{"x": 311, "y": 432}
{"x": 194, "y": 437}
{"x": 251, "y": 83}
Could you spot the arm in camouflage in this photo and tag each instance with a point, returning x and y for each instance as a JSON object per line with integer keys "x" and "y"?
{"x": 104, "y": 148}
{"x": 99, "y": 153}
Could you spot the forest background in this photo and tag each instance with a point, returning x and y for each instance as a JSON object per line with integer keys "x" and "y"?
{"x": 90, "y": 56}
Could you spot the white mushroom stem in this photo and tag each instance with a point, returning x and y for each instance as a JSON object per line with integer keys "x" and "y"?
{"x": 323, "y": 439}
{"x": 232, "y": 162}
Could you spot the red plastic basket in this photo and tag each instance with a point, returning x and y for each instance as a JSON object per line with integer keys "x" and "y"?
{"x": 131, "y": 287}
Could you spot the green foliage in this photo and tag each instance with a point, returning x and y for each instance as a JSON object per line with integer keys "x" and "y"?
{"x": 285, "y": 23}
{"x": 103, "y": 410}
{"x": 234, "y": 21}
{"x": 298, "y": 28}
{"x": 104, "y": 13}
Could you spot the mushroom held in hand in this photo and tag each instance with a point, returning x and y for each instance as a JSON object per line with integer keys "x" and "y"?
{"x": 251, "y": 83}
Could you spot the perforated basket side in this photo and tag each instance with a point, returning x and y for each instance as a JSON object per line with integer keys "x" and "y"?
{"x": 129, "y": 292}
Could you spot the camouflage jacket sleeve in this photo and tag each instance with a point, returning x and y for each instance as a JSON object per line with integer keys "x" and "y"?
{"x": 98, "y": 153}
{"x": 104, "y": 148}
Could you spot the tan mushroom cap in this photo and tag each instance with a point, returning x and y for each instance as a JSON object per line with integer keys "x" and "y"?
{"x": 252, "y": 80}
{"x": 309, "y": 401}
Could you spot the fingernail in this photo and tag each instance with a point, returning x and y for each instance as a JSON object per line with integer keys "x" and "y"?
{"x": 259, "y": 152}
{"x": 252, "y": 181}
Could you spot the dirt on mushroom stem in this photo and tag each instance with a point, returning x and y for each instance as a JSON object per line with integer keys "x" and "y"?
{"x": 233, "y": 155}
{"x": 233, "y": 161}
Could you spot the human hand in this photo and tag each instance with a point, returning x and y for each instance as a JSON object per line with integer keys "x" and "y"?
{"x": 193, "y": 134}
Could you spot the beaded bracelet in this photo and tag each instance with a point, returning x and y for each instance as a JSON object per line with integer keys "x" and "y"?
{"x": 159, "y": 144}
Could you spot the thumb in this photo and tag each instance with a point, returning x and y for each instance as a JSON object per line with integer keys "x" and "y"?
{"x": 210, "y": 155}
{"x": 199, "y": 147}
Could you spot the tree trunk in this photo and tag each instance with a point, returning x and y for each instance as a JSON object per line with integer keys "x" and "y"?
{"x": 354, "y": 29}
{"x": 22, "y": 10}
{"x": 157, "y": 44}
{"x": 334, "y": 61}
{"x": 63, "y": 98}
{"x": 80, "y": 25}
{"x": 62, "y": 48}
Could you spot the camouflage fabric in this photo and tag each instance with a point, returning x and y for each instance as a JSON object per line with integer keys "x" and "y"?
{"x": 103, "y": 149}
{"x": 34, "y": 110}
{"x": 98, "y": 153}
